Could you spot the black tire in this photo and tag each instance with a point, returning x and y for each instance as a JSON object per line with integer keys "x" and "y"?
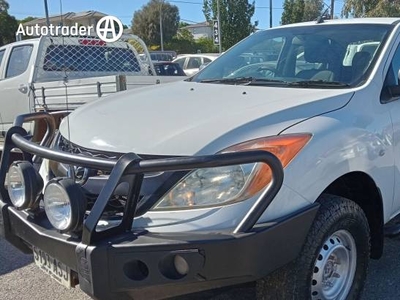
{"x": 294, "y": 281}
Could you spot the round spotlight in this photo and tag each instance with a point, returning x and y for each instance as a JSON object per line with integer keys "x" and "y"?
{"x": 65, "y": 204}
{"x": 24, "y": 185}
{"x": 181, "y": 265}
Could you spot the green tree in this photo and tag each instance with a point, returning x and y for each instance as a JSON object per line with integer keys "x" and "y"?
{"x": 146, "y": 21}
{"x": 295, "y": 11}
{"x": 312, "y": 9}
{"x": 8, "y": 24}
{"x": 206, "y": 45}
{"x": 27, "y": 19}
{"x": 182, "y": 42}
{"x": 4, "y": 6}
{"x": 371, "y": 8}
{"x": 235, "y": 17}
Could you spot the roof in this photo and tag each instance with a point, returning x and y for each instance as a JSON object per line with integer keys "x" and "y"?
{"x": 349, "y": 21}
{"x": 67, "y": 16}
{"x": 197, "y": 25}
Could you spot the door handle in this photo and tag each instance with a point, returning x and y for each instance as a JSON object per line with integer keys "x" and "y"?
{"x": 23, "y": 88}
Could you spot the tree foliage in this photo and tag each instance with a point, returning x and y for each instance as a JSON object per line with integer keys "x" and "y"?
{"x": 295, "y": 11}
{"x": 371, "y": 8}
{"x": 146, "y": 21}
{"x": 4, "y": 6}
{"x": 235, "y": 17}
{"x": 8, "y": 25}
{"x": 27, "y": 19}
{"x": 184, "y": 43}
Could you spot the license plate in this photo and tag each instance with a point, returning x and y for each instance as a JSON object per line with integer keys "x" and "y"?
{"x": 51, "y": 266}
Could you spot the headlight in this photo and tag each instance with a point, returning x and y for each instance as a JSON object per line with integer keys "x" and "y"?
{"x": 223, "y": 185}
{"x": 24, "y": 185}
{"x": 65, "y": 204}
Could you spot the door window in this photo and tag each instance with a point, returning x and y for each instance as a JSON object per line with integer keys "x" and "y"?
{"x": 1, "y": 56}
{"x": 19, "y": 60}
{"x": 194, "y": 63}
{"x": 392, "y": 78}
{"x": 180, "y": 61}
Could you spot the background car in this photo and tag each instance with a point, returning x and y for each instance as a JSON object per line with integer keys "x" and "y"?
{"x": 167, "y": 68}
{"x": 162, "y": 55}
{"x": 190, "y": 63}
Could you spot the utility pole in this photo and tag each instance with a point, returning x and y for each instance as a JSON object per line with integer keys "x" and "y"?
{"x": 332, "y": 9}
{"x": 219, "y": 28}
{"x": 46, "y": 10}
{"x": 270, "y": 13}
{"x": 161, "y": 26}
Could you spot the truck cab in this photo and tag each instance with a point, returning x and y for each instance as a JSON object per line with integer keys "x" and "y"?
{"x": 17, "y": 62}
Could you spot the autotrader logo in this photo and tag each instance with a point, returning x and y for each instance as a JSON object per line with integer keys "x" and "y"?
{"x": 109, "y": 29}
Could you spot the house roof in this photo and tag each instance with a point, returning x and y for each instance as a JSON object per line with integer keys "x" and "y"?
{"x": 197, "y": 25}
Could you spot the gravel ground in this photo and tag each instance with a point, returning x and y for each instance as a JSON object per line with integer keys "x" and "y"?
{"x": 20, "y": 279}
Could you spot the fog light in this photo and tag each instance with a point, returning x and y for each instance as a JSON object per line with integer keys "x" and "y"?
{"x": 181, "y": 265}
{"x": 65, "y": 204}
{"x": 24, "y": 185}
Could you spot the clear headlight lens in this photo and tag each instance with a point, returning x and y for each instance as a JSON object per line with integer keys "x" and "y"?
{"x": 210, "y": 186}
{"x": 223, "y": 185}
{"x": 16, "y": 186}
{"x": 57, "y": 206}
{"x": 65, "y": 204}
{"x": 24, "y": 185}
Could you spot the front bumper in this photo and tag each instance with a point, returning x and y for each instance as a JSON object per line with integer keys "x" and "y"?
{"x": 108, "y": 269}
{"x": 122, "y": 262}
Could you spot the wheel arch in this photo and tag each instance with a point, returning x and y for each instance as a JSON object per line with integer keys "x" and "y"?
{"x": 361, "y": 188}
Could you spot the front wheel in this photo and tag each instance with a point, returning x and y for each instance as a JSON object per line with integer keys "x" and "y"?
{"x": 334, "y": 260}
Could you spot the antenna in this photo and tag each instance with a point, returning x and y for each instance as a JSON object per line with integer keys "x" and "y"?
{"x": 321, "y": 17}
{"x": 71, "y": 172}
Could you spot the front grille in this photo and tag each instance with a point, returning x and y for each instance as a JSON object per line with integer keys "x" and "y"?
{"x": 64, "y": 145}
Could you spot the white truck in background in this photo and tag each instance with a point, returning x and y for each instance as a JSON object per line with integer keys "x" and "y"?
{"x": 62, "y": 73}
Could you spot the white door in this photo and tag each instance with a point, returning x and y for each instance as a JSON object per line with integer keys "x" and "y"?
{"x": 14, "y": 89}
{"x": 393, "y": 103}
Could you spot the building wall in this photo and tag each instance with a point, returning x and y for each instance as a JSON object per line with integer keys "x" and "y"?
{"x": 199, "y": 32}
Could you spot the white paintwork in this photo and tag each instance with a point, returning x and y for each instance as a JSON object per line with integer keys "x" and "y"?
{"x": 352, "y": 132}
{"x": 79, "y": 88}
{"x": 165, "y": 119}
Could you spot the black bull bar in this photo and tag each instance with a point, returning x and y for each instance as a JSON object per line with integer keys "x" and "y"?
{"x": 131, "y": 168}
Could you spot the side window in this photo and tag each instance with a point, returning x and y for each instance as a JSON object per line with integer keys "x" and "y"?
{"x": 392, "y": 78}
{"x": 194, "y": 63}
{"x": 1, "y": 56}
{"x": 206, "y": 60}
{"x": 19, "y": 60}
{"x": 180, "y": 61}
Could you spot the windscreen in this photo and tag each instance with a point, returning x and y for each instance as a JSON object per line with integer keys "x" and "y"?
{"x": 306, "y": 56}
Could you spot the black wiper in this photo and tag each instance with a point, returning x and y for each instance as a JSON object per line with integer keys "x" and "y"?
{"x": 318, "y": 83}
{"x": 243, "y": 80}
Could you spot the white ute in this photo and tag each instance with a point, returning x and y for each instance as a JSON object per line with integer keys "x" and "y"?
{"x": 62, "y": 73}
{"x": 284, "y": 170}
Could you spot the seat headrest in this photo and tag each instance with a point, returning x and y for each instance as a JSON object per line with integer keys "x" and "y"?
{"x": 317, "y": 51}
{"x": 360, "y": 63}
